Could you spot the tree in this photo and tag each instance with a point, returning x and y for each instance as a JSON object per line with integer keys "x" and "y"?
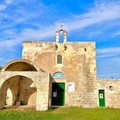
{"x": 1, "y": 67}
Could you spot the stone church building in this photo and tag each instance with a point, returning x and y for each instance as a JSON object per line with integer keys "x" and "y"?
{"x": 57, "y": 74}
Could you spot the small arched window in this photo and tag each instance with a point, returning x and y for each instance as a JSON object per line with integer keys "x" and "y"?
{"x": 58, "y": 75}
{"x": 59, "y": 59}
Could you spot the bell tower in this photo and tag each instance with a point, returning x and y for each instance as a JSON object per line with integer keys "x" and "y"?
{"x": 58, "y": 35}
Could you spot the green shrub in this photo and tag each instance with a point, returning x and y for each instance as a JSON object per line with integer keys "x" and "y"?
{"x": 1, "y": 68}
{"x": 23, "y": 103}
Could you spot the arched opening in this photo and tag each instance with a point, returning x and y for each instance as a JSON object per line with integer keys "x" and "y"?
{"x": 20, "y": 66}
{"x": 9, "y": 97}
{"x": 58, "y": 75}
{"x": 32, "y": 98}
{"x": 18, "y": 90}
{"x": 58, "y": 89}
{"x": 61, "y": 36}
{"x": 59, "y": 59}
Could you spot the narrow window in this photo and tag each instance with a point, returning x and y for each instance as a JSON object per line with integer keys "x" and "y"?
{"x": 59, "y": 59}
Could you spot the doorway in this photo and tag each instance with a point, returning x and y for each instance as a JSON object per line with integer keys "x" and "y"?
{"x": 101, "y": 95}
{"x": 58, "y": 94}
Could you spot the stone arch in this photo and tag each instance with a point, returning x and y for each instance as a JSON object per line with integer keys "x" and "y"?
{"x": 58, "y": 35}
{"x": 32, "y": 100}
{"x": 9, "y": 97}
{"x": 21, "y": 89}
{"x": 7, "y": 75}
{"x": 21, "y": 65}
{"x": 40, "y": 84}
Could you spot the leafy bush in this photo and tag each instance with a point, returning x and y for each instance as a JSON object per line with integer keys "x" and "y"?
{"x": 1, "y": 68}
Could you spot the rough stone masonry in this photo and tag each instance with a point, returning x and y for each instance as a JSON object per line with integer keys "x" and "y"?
{"x": 57, "y": 74}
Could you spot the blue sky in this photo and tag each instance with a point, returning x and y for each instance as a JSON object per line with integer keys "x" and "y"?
{"x": 85, "y": 20}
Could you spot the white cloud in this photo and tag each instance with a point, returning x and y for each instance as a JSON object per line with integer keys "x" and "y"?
{"x": 104, "y": 56}
{"x": 109, "y": 52}
{"x": 2, "y": 7}
{"x": 8, "y": 45}
{"x": 9, "y": 32}
{"x": 99, "y": 14}
{"x": 94, "y": 34}
{"x": 108, "y": 67}
{"x": 116, "y": 34}
{"x": 8, "y": 1}
{"x": 40, "y": 34}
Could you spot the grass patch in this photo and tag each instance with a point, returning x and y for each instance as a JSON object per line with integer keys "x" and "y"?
{"x": 72, "y": 113}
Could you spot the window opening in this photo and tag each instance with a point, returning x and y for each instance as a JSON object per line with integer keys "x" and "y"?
{"x": 59, "y": 59}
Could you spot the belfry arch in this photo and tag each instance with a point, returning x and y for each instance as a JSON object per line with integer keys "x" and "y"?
{"x": 58, "y": 35}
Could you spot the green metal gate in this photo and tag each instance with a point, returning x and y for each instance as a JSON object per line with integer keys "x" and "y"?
{"x": 58, "y": 94}
{"x": 101, "y": 95}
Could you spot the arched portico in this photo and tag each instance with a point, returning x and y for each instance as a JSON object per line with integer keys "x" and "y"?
{"x": 25, "y": 71}
{"x": 17, "y": 90}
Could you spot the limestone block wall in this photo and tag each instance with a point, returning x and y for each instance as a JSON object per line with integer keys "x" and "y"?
{"x": 42, "y": 101}
{"x": 27, "y": 87}
{"x": 112, "y": 94}
{"x": 78, "y": 66}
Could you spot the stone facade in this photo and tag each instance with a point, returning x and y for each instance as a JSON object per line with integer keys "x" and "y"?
{"x": 44, "y": 64}
{"x": 79, "y": 66}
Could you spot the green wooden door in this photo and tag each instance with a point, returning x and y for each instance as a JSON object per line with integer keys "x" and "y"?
{"x": 101, "y": 98}
{"x": 58, "y": 94}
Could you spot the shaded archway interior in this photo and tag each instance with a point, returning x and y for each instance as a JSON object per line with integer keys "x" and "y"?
{"x": 22, "y": 88}
{"x": 20, "y": 66}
